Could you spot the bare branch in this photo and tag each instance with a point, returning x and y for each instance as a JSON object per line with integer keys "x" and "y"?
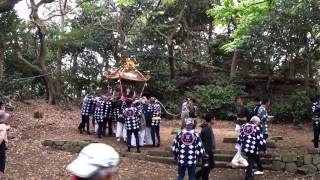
{"x": 21, "y": 58}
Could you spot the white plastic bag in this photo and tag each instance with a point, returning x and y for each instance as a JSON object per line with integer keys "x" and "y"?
{"x": 238, "y": 160}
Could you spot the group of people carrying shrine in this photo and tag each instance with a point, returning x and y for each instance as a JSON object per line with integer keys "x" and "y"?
{"x": 123, "y": 117}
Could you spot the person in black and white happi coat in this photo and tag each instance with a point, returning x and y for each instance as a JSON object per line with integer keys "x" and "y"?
{"x": 100, "y": 113}
{"x": 87, "y": 109}
{"x": 121, "y": 128}
{"x": 252, "y": 141}
{"x": 148, "y": 113}
{"x": 187, "y": 147}
{"x": 155, "y": 124}
{"x": 316, "y": 124}
{"x": 138, "y": 104}
{"x": 264, "y": 117}
{"x": 132, "y": 122}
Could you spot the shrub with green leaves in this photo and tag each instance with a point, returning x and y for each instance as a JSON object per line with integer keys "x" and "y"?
{"x": 300, "y": 107}
{"x": 281, "y": 112}
{"x": 218, "y": 98}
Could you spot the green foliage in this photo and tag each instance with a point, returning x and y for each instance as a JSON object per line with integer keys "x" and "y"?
{"x": 300, "y": 107}
{"x": 218, "y": 98}
{"x": 297, "y": 109}
{"x": 242, "y": 16}
{"x": 281, "y": 112}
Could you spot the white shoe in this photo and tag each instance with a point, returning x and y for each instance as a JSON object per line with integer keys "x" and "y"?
{"x": 258, "y": 173}
{"x": 118, "y": 139}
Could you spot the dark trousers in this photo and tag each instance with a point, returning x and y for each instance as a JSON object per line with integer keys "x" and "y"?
{"x": 104, "y": 126}
{"x": 252, "y": 159}
{"x": 316, "y": 133}
{"x": 2, "y": 156}
{"x": 136, "y": 135}
{"x": 182, "y": 171}
{"x": 109, "y": 126}
{"x": 93, "y": 122}
{"x": 204, "y": 172}
{"x": 155, "y": 131}
{"x": 84, "y": 122}
{"x": 100, "y": 129}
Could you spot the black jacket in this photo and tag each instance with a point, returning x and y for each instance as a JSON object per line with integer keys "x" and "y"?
{"x": 207, "y": 138}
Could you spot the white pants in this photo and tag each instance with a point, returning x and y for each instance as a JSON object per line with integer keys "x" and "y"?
{"x": 96, "y": 127}
{"x": 141, "y": 138}
{"x": 147, "y": 136}
{"x": 121, "y": 130}
{"x": 114, "y": 127}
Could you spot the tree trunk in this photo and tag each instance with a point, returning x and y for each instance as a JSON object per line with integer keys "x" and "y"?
{"x": 41, "y": 66}
{"x": 234, "y": 62}
{"x": 171, "y": 61}
{"x": 121, "y": 37}
{"x": 211, "y": 54}
{"x": 291, "y": 67}
{"x": 59, "y": 83}
{"x": 307, "y": 84}
{"x": 1, "y": 61}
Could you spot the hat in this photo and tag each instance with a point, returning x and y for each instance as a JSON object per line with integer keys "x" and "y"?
{"x": 92, "y": 158}
{"x": 189, "y": 121}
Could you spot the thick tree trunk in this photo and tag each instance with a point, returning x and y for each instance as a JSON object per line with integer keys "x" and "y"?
{"x": 291, "y": 69}
{"x": 234, "y": 63}
{"x": 50, "y": 89}
{"x": 1, "y": 61}
{"x": 41, "y": 66}
{"x": 59, "y": 83}
{"x": 307, "y": 84}
{"x": 171, "y": 61}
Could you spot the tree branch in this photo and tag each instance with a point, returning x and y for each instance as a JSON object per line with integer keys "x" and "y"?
{"x": 21, "y": 58}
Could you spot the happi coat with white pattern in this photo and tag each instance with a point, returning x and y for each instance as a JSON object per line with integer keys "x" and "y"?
{"x": 251, "y": 139}
{"x": 187, "y": 147}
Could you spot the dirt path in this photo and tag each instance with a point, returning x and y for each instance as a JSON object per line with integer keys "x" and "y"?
{"x": 28, "y": 159}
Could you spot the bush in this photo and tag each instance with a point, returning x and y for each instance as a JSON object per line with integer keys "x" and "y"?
{"x": 217, "y": 98}
{"x": 296, "y": 109}
{"x": 300, "y": 107}
{"x": 281, "y": 112}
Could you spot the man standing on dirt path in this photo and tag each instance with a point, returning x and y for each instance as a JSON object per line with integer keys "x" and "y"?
{"x": 148, "y": 112}
{"x": 100, "y": 113}
{"x": 131, "y": 115}
{"x": 263, "y": 115}
{"x": 87, "y": 109}
{"x": 187, "y": 147}
{"x": 156, "y": 120}
{"x": 209, "y": 143}
{"x": 251, "y": 141}
{"x": 316, "y": 124}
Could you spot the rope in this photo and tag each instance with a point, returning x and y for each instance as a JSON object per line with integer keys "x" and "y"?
{"x": 167, "y": 112}
{"x": 26, "y": 78}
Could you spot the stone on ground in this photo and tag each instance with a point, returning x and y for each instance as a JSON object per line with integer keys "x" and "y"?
{"x": 278, "y": 165}
{"x": 291, "y": 167}
{"x": 307, "y": 159}
{"x": 307, "y": 169}
{"x": 291, "y": 157}
{"x": 316, "y": 159}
